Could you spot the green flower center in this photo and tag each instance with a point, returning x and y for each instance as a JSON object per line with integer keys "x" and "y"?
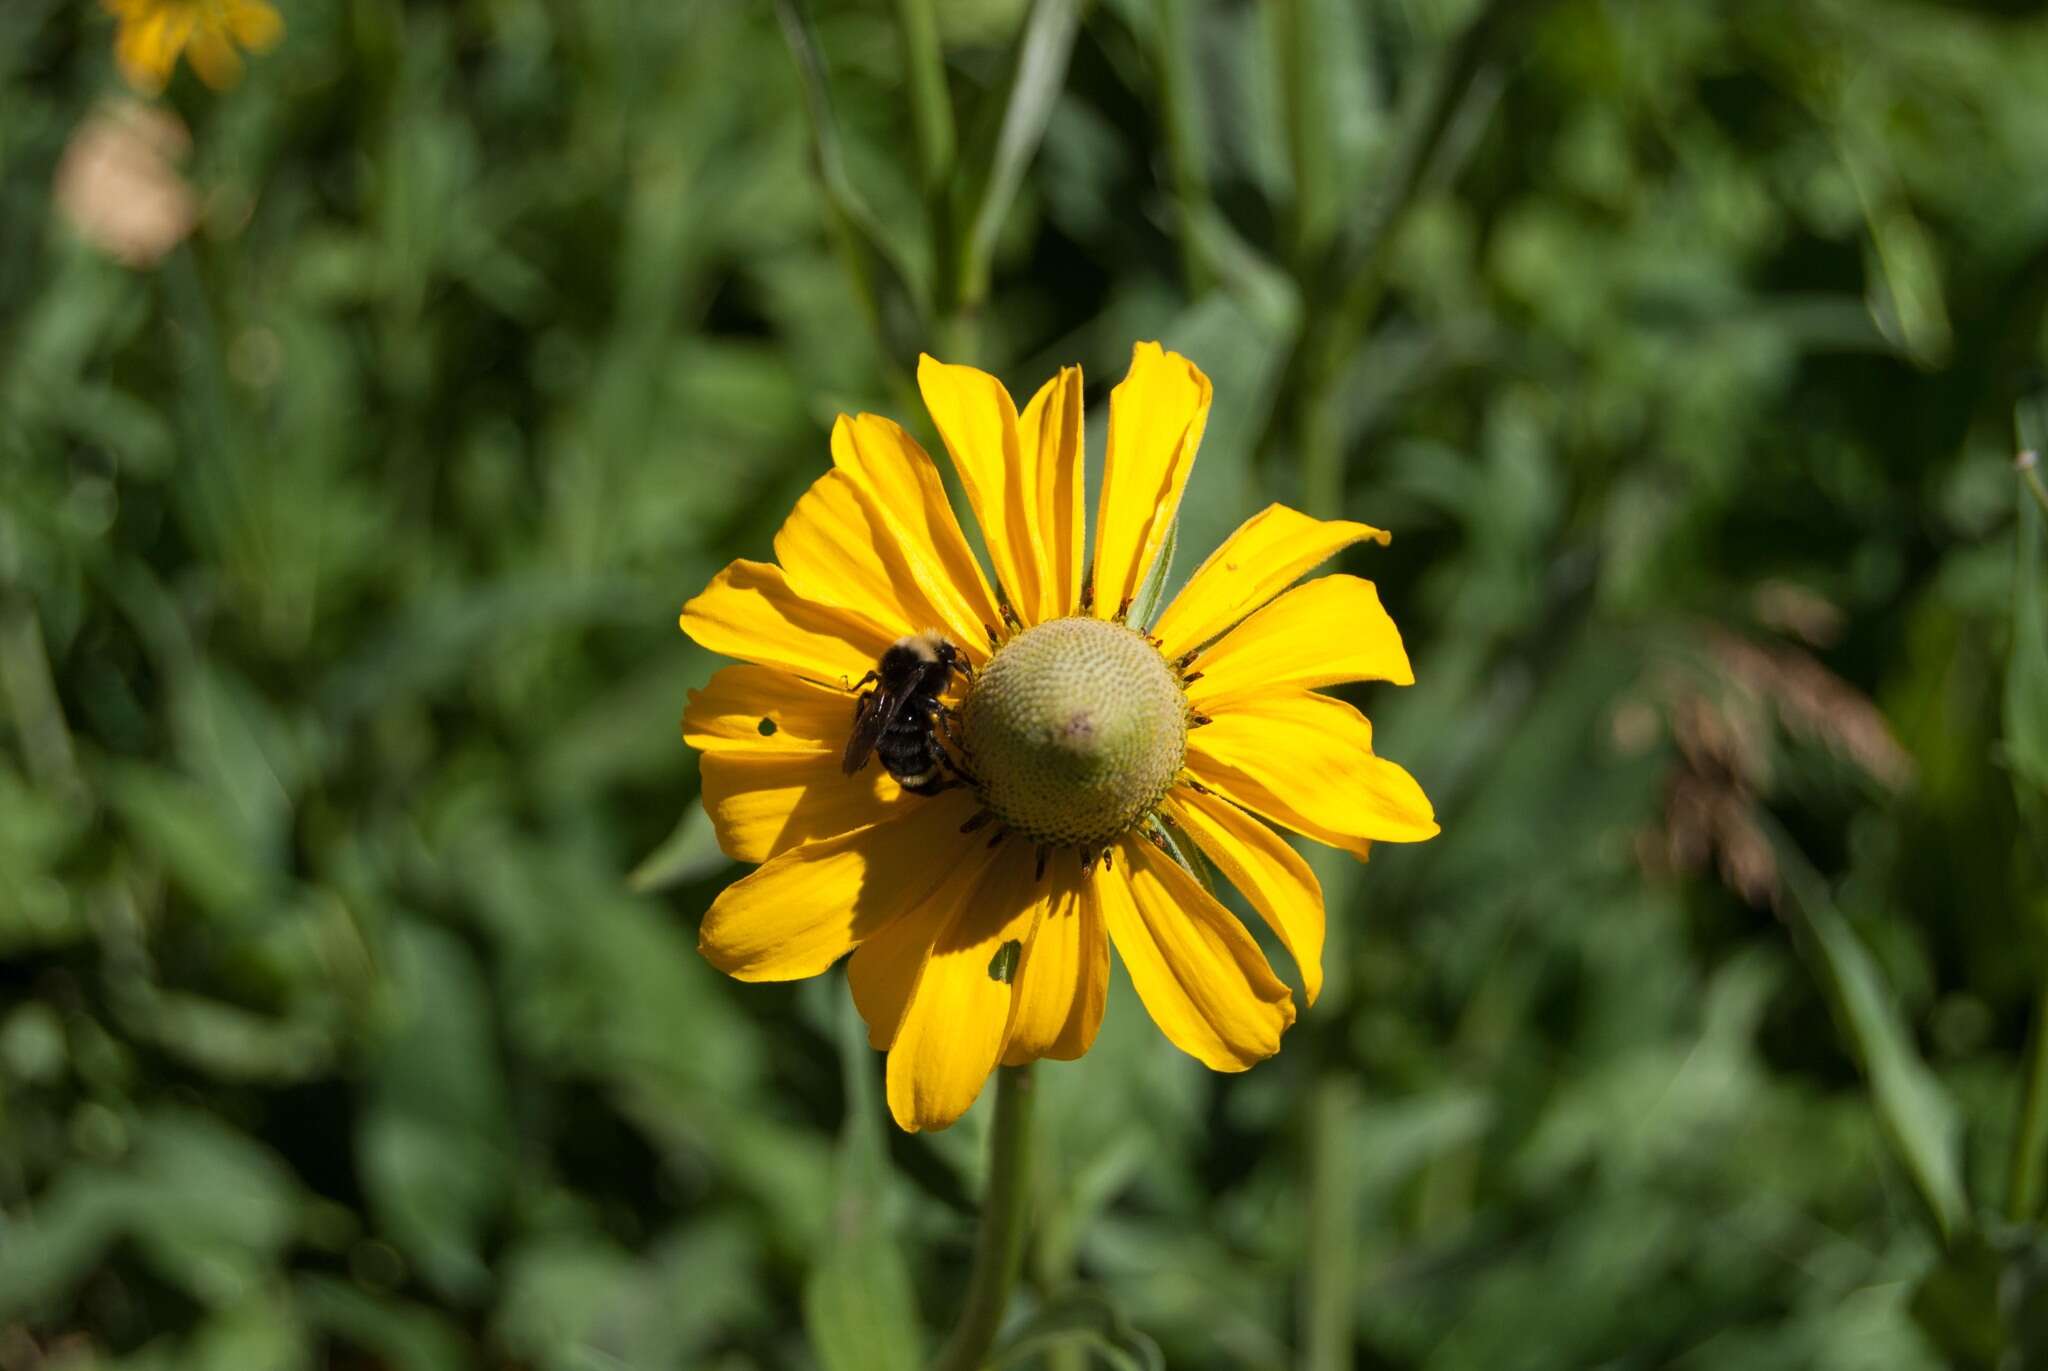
{"x": 1074, "y": 732}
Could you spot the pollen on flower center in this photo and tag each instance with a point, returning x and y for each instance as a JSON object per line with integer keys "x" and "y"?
{"x": 1074, "y": 732}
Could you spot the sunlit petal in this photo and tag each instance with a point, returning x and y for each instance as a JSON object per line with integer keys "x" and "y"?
{"x": 801, "y": 912}
{"x": 1270, "y": 874}
{"x": 951, "y": 1034}
{"x": 1329, "y": 631}
{"x": 1202, "y": 978}
{"x": 1063, "y": 978}
{"x": 1305, "y": 761}
{"x": 750, "y": 612}
{"x": 1269, "y": 552}
{"x": 1156, "y": 417}
{"x": 1049, "y": 490}
{"x": 978, "y": 421}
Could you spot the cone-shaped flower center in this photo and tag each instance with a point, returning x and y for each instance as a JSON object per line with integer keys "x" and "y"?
{"x": 1075, "y": 731}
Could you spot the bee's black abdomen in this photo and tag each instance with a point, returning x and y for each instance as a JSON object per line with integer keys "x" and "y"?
{"x": 896, "y": 720}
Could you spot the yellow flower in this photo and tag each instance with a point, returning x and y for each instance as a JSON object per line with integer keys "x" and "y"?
{"x": 980, "y": 918}
{"x": 153, "y": 33}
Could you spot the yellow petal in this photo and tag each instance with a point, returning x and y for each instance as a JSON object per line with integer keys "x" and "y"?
{"x": 808, "y": 907}
{"x": 254, "y": 24}
{"x": 762, "y": 709}
{"x": 768, "y": 792}
{"x": 1265, "y": 869}
{"x": 1268, "y": 553}
{"x": 765, "y": 803}
{"x": 834, "y": 550}
{"x": 978, "y": 421}
{"x": 883, "y": 970}
{"x": 1306, "y": 762}
{"x": 1156, "y": 417}
{"x": 952, "y": 1032}
{"x": 902, "y": 489}
{"x": 750, "y": 611}
{"x": 147, "y": 47}
{"x": 1050, "y": 442}
{"x": 1202, "y": 978}
{"x": 1328, "y": 631}
{"x": 1063, "y": 979}
{"x": 213, "y": 56}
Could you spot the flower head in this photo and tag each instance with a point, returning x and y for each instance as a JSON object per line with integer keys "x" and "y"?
{"x": 1030, "y": 808}
{"x": 154, "y": 33}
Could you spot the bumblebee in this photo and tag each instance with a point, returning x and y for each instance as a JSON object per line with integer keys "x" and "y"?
{"x": 898, "y": 720}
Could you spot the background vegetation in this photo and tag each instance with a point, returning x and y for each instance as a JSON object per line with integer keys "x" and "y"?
{"x": 350, "y": 862}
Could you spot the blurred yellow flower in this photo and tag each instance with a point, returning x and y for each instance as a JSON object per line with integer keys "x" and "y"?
{"x": 153, "y": 33}
{"x": 1068, "y": 764}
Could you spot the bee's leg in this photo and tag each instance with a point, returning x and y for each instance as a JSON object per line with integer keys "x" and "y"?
{"x": 961, "y": 775}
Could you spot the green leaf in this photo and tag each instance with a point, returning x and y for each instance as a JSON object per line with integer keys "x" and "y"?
{"x": 1151, "y": 596}
{"x": 689, "y": 852}
{"x": 870, "y": 260}
{"x": 1038, "y": 72}
{"x": 432, "y": 1139}
{"x": 1917, "y": 1114}
{"x": 2026, "y": 674}
{"x": 860, "y": 1308}
{"x": 1956, "y": 1305}
{"x": 1186, "y": 853}
{"x": 1084, "y": 1316}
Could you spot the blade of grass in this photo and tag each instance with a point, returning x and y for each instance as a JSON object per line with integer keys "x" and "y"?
{"x": 1186, "y": 139}
{"x": 892, "y": 307}
{"x": 1038, "y": 72}
{"x": 1304, "y": 77}
{"x": 1914, "y": 1110}
{"x": 931, "y": 117}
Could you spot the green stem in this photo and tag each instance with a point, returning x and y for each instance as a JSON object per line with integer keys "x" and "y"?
{"x": 931, "y": 108}
{"x": 1184, "y": 137}
{"x": 1304, "y": 81}
{"x": 999, "y": 1246}
{"x": 2023, "y": 1197}
{"x": 1322, "y": 450}
{"x": 1329, "y": 1295}
{"x": 931, "y": 115}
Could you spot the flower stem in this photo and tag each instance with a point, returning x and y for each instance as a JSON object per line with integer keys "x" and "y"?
{"x": 1178, "y": 85}
{"x": 999, "y": 1246}
{"x": 931, "y": 114}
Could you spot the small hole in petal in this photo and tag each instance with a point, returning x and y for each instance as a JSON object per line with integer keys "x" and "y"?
{"x": 1003, "y": 966}
{"x": 767, "y": 728}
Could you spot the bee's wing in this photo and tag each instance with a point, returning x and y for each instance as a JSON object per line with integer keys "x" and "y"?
{"x": 871, "y": 714}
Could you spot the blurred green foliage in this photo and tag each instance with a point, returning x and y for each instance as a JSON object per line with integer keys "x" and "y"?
{"x": 349, "y": 861}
